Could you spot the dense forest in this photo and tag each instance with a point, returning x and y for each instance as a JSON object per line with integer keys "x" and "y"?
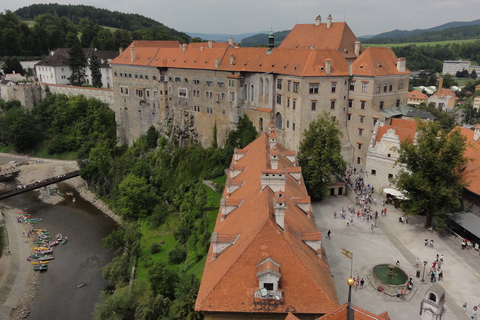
{"x": 51, "y": 31}
{"x": 431, "y": 57}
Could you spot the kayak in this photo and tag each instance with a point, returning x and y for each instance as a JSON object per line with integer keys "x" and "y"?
{"x": 40, "y": 267}
{"x": 64, "y": 240}
{"x": 43, "y": 262}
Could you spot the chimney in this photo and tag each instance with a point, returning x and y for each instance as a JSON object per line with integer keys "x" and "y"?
{"x": 210, "y": 44}
{"x": 329, "y": 21}
{"x": 184, "y": 47}
{"x": 476, "y": 134}
{"x": 357, "y": 48}
{"x": 132, "y": 53}
{"x": 201, "y": 47}
{"x": 318, "y": 20}
{"x": 274, "y": 158}
{"x": 120, "y": 50}
{"x": 230, "y": 42}
{"x": 328, "y": 66}
{"x": 217, "y": 63}
{"x": 232, "y": 59}
{"x": 279, "y": 206}
{"x": 401, "y": 62}
{"x": 440, "y": 86}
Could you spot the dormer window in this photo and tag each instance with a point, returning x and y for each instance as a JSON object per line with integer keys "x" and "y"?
{"x": 268, "y": 274}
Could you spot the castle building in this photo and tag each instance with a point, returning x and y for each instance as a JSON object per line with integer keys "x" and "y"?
{"x": 266, "y": 257}
{"x": 188, "y": 89}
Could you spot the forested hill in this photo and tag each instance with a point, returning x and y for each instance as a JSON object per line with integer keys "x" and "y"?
{"x": 261, "y": 39}
{"x": 103, "y": 17}
{"x": 457, "y": 33}
{"x": 397, "y": 34}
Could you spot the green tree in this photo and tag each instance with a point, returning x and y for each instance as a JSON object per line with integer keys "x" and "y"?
{"x": 473, "y": 75}
{"x": 134, "y": 198}
{"x": 319, "y": 155}
{"x": 185, "y": 295}
{"x": 163, "y": 281}
{"x": 12, "y": 65}
{"x": 20, "y": 128}
{"x": 429, "y": 172}
{"x": 95, "y": 70}
{"x": 77, "y": 63}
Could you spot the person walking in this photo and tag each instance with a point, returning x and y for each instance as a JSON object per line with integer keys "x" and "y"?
{"x": 371, "y": 228}
{"x": 362, "y": 282}
{"x": 417, "y": 262}
{"x": 464, "y": 307}
{"x": 335, "y": 214}
{"x": 329, "y": 233}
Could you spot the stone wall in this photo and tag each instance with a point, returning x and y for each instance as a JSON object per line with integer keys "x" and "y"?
{"x": 104, "y": 95}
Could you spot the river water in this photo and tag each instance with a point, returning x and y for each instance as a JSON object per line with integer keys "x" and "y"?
{"x": 79, "y": 261}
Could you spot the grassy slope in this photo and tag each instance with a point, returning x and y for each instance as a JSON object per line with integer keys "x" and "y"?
{"x": 165, "y": 234}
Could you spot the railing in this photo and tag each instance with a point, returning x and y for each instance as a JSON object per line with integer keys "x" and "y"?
{"x": 38, "y": 184}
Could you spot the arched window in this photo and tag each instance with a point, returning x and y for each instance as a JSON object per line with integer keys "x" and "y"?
{"x": 278, "y": 121}
{"x": 267, "y": 87}
{"x": 245, "y": 95}
{"x": 260, "y": 124}
{"x": 261, "y": 86}
{"x": 432, "y": 297}
{"x": 252, "y": 93}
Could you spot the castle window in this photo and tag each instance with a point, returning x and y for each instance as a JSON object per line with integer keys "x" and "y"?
{"x": 397, "y": 103}
{"x": 431, "y": 296}
{"x": 350, "y": 103}
{"x": 231, "y": 83}
{"x": 182, "y": 92}
{"x": 289, "y": 85}
{"x": 170, "y": 77}
{"x": 313, "y": 88}
{"x": 220, "y": 83}
{"x": 390, "y": 87}
{"x": 279, "y": 99}
{"x": 252, "y": 93}
{"x": 359, "y": 146}
{"x": 196, "y": 80}
{"x": 362, "y": 104}
{"x": 379, "y": 85}
{"x": 278, "y": 121}
{"x": 288, "y": 102}
{"x": 269, "y": 286}
{"x": 295, "y": 87}
{"x": 185, "y": 79}
{"x": 374, "y": 172}
{"x": 332, "y": 104}
{"x": 334, "y": 87}
{"x": 381, "y": 105}
{"x": 385, "y": 86}
{"x": 261, "y": 87}
{"x": 279, "y": 84}
{"x": 288, "y": 124}
{"x": 314, "y": 105}
{"x": 209, "y": 82}
{"x": 364, "y": 86}
{"x": 294, "y": 103}
{"x": 352, "y": 85}
{"x": 349, "y": 116}
{"x": 360, "y": 131}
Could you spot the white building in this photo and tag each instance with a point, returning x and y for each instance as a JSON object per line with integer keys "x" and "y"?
{"x": 451, "y": 67}
{"x": 54, "y": 68}
{"x": 382, "y": 152}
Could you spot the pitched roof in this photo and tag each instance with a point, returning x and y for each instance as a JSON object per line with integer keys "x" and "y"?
{"x": 310, "y": 36}
{"x": 470, "y": 173}
{"x": 376, "y": 61}
{"x": 415, "y": 94}
{"x": 403, "y": 129}
{"x": 230, "y": 280}
{"x": 59, "y": 57}
{"x": 358, "y": 313}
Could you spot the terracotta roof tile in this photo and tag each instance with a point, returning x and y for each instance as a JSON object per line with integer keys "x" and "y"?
{"x": 470, "y": 173}
{"x": 358, "y": 313}
{"x": 376, "y": 61}
{"x": 403, "y": 129}
{"x": 415, "y": 94}
{"x": 230, "y": 281}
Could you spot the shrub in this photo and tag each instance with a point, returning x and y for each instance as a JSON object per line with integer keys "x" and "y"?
{"x": 177, "y": 255}
{"x": 155, "y": 248}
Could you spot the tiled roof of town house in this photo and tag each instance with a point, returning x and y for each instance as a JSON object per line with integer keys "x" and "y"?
{"x": 403, "y": 129}
{"x": 470, "y": 172}
{"x": 358, "y": 313}
{"x": 144, "y": 52}
{"x": 446, "y": 92}
{"x": 230, "y": 280}
{"x": 307, "y": 36}
{"x": 291, "y": 316}
{"x": 415, "y": 94}
{"x": 376, "y": 61}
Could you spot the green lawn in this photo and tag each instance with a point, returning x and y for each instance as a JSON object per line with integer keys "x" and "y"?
{"x": 420, "y": 43}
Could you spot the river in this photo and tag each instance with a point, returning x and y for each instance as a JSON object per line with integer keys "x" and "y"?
{"x": 79, "y": 261}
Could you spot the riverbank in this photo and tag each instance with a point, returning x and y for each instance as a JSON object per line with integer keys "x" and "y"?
{"x": 19, "y": 285}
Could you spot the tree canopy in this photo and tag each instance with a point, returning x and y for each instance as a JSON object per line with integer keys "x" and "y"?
{"x": 429, "y": 175}
{"x": 320, "y": 155}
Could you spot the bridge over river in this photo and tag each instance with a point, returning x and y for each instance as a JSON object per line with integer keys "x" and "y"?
{"x": 38, "y": 184}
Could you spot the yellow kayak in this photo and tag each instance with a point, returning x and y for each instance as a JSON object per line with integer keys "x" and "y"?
{"x": 43, "y": 262}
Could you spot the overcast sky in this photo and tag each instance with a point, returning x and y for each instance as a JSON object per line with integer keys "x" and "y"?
{"x": 366, "y": 17}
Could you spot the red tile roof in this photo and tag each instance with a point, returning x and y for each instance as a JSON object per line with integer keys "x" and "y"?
{"x": 307, "y": 36}
{"x": 358, "y": 313}
{"x": 471, "y": 171}
{"x": 403, "y": 129}
{"x": 415, "y": 94}
{"x": 376, "y": 61}
{"x": 230, "y": 281}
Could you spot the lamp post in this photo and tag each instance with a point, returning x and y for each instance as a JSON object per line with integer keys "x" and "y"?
{"x": 350, "y": 283}
{"x": 424, "y": 265}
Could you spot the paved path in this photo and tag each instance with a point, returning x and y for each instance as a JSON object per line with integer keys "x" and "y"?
{"x": 389, "y": 242}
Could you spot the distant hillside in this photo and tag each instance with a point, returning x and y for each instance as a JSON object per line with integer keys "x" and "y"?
{"x": 259, "y": 40}
{"x": 400, "y": 34}
{"x": 104, "y": 17}
{"x": 457, "y": 33}
{"x": 223, "y": 37}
